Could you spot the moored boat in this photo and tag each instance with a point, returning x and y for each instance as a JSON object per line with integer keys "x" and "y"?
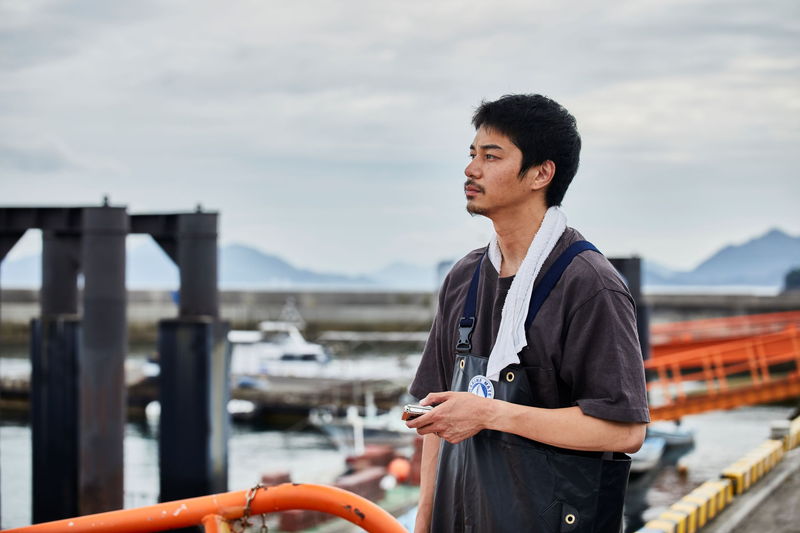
{"x": 272, "y": 346}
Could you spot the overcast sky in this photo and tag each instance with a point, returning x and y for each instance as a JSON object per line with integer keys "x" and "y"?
{"x": 335, "y": 133}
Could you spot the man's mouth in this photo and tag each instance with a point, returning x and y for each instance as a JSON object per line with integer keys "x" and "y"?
{"x": 472, "y": 190}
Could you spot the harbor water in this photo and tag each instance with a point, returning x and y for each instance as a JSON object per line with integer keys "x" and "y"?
{"x": 721, "y": 437}
{"x": 309, "y": 456}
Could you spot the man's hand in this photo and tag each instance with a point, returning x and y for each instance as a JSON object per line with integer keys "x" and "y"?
{"x": 460, "y": 415}
{"x": 457, "y": 415}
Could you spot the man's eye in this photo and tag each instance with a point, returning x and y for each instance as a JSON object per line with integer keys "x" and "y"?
{"x": 472, "y": 156}
{"x": 490, "y": 156}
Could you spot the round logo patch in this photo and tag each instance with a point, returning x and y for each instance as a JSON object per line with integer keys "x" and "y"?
{"x": 481, "y": 386}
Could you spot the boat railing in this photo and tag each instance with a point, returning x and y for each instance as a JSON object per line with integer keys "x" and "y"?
{"x": 230, "y": 511}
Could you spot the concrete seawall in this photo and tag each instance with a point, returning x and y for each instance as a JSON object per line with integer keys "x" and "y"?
{"x": 370, "y": 310}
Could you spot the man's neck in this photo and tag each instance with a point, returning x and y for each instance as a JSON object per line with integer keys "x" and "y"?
{"x": 515, "y": 233}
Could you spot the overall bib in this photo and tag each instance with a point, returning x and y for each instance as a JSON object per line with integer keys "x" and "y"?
{"x": 496, "y": 482}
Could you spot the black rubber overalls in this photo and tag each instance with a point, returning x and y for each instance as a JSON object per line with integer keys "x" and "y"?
{"x": 501, "y": 482}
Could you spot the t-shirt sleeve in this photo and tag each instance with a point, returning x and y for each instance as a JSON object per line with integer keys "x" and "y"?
{"x": 602, "y": 362}
{"x": 431, "y": 374}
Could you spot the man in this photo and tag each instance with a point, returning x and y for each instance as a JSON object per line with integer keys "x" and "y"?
{"x": 533, "y": 364}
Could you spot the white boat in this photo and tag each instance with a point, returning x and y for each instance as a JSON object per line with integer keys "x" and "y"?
{"x": 664, "y": 444}
{"x": 648, "y": 455}
{"x": 242, "y": 410}
{"x": 254, "y": 353}
{"x": 355, "y": 430}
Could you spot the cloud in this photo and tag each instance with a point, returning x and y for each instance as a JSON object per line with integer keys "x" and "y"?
{"x": 36, "y": 32}
{"x": 50, "y": 156}
{"x": 269, "y": 110}
{"x": 35, "y": 159}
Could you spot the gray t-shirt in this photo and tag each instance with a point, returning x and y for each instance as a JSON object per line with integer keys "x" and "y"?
{"x": 582, "y": 350}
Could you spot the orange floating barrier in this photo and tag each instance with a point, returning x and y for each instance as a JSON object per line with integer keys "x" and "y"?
{"x": 215, "y": 511}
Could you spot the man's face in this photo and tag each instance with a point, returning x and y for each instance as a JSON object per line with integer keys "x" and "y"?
{"x": 493, "y": 183}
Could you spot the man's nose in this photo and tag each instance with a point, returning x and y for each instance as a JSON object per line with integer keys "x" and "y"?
{"x": 472, "y": 170}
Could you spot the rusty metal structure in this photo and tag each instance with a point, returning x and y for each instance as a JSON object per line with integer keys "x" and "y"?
{"x": 78, "y": 349}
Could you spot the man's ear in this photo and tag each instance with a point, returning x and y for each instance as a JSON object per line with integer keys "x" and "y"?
{"x": 542, "y": 175}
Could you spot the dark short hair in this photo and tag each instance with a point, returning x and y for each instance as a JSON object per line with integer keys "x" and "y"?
{"x": 542, "y": 129}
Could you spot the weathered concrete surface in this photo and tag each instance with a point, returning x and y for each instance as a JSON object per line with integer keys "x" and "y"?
{"x": 679, "y": 307}
{"x": 248, "y": 307}
{"x": 371, "y": 308}
{"x": 770, "y": 506}
{"x": 322, "y": 310}
{"x": 358, "y": 310}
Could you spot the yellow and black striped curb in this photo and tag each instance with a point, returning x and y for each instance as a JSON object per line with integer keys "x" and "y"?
{"x": 792, "y": 440}
{"x": 754, "y": 465}
{"x": 697, "y": 508}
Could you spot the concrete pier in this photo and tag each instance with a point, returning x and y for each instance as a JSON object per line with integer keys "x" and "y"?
{"x": 367, "y": 310}
{"x": 754, "y": 494}
{"x": 771, "y": 506}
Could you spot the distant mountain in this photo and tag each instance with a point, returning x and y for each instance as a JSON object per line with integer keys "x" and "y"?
{"x": 761, "y": 261}
{"x": 150, "y": 268}
{"x": 23, "y": 272}
{"x": 245, "y": 267}
{"x": 406, "y": 276}
{"x": 240, "y": 267}
{"x": 655, "y": 274}
{"x": 764, "y": 260}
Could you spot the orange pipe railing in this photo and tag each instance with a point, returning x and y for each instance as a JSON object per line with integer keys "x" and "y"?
{"x": 752, "y": 370}
{"x": 731, "y": 350}
{"x": 215, "y": 511}
{"x": 677, "y": 336}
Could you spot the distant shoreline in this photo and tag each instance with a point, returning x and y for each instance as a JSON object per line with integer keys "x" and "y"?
{"x": 386, "y": 310}
{"x": 760, "y": 290}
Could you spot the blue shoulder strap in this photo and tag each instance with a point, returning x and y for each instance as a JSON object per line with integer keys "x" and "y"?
{"x": 552, "y": 276}
{"x": 466, "y": 324}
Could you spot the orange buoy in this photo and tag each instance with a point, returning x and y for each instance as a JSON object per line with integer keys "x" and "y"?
{"x": 400, "y": 468}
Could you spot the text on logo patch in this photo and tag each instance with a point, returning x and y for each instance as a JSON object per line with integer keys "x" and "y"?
{"x": 481, "y": 386}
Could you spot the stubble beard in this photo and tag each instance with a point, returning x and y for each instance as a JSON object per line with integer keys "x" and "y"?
{"x": 475, "y": 210}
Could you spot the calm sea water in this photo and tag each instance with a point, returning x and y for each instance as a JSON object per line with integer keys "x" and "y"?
{"x": 309, "y": 457}
{"x": 721, "y": 438}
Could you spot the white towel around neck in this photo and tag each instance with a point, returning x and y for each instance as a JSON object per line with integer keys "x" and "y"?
{"x": 511, "y": 338}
